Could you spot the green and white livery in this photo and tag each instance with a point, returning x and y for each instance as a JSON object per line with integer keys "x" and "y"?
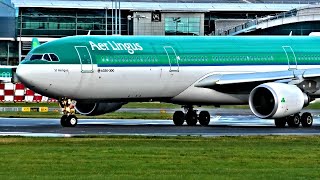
{"x": 277, "y": 76}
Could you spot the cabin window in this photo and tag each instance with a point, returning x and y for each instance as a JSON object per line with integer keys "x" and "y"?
{"x": 54, "y": 57}
{"x": 36, "y": 57}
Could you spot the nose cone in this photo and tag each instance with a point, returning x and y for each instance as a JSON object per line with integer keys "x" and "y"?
{"x": 24, "y": 75}
{"x": 19, "y": 73}
{"x": 34, "y": 78}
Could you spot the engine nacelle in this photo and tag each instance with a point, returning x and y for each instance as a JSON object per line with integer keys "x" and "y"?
{"x": 277, "y": 100}
{"x": 95, "y": 109}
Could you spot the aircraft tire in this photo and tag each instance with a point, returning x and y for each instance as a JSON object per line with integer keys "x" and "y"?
{"x": 280, "y": 122}
{"x": 191, "y": 118}
{"x": 204, "y": 118}
{"x": 72, "y": 121}
{"x": 63, "y": 121}
{"x": 306, "y": 119}
{"x": 294, "y": 121}
{"x": 178, "y": 118}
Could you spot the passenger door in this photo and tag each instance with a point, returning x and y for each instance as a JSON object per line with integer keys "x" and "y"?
{"x": 172, "y": 58}
{"x": 85, "y": 59}
{"x": 291, "y": 57}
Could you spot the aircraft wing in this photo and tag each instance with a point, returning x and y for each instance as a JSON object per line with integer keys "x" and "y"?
{"x": 311, "y": 73}
{"x": 225, "y": 79}
{"x": 245, "y": 82}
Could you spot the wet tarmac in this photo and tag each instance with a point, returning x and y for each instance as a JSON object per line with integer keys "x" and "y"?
{"x": 220, "y": 125}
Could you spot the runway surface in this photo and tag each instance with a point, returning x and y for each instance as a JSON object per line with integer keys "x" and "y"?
{"x": 224, "y": 125}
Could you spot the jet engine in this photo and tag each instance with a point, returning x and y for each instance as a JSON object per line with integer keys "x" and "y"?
{"x": 95, "y": 109}
{"x": 277, "y": 100}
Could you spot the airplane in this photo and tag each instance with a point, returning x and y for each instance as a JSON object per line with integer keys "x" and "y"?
{"x": 276, "y": 75}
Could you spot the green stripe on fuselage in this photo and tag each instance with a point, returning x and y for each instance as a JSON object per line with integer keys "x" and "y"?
{"x": 190, "y": 51}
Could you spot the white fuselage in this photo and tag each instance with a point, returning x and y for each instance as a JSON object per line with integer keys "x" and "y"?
{"x": 132, "y": 83}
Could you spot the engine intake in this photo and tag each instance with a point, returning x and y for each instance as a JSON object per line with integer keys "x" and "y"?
{"x": 277, "y": 100}
{"x": 95, "y": 109}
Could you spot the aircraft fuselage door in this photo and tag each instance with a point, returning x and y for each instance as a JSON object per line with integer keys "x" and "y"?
{"x": 291, "y": 57}
{"x": 173, "y": 58}
{"x": 85, "y": 59}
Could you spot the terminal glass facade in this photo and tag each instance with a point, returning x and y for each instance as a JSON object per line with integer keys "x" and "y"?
{"x": 9, "y": 53}
{"x": 182, "y": 26}
{"x": 8, "y": 47}
{"x": 52, "y": 22}
{"x": 7, "y": 19}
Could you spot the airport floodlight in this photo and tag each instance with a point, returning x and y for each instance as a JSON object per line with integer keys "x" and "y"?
{"x": 129, "y": 17}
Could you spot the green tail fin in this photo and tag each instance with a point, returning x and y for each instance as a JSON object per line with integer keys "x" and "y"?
{"x": 35, "y": 43}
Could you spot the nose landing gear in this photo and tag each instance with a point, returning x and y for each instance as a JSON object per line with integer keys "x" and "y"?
{"x": 68, "y": 119}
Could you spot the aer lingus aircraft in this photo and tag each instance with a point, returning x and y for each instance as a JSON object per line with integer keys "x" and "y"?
{"x": 276, "y": 76}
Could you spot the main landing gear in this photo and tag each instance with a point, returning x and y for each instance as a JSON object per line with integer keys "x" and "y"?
{"x": 68, "y": 119}
{"x": 306, "y": 120}
{"x": 191, "y": 117}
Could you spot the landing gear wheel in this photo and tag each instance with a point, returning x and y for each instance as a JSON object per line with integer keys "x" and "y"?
{"x": 68, "y": 109}
{"x": 72, "y": 121}
{"x": 280, "y": 123}
{"x": 63, "y": 121}
{"x": 204, "y": 118}
{"x": 68, "y": 121}
{"x": 191, "y": 118}
{"x": 178, "y": 118}
{"x": 306, "y": 119}
{"x": 294, "y": 121}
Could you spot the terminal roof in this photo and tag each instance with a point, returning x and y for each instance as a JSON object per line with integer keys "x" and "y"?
{"x": 162, "y": 5}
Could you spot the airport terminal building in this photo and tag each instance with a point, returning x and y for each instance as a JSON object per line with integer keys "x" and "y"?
{"x": 50, "y": 19}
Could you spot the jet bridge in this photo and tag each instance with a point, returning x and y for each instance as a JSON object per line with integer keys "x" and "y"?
{"x": 271, "y": 24}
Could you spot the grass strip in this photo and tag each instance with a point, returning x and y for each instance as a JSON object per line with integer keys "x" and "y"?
{"x": 111, "y": 157}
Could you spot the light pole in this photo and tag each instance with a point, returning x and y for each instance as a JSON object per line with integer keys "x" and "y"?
{"x": 129, "y": 18}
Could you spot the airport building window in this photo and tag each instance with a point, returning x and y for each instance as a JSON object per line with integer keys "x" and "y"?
{"x": 60, "y": 22}
{"x": 182, "y": 26}
{"x": 9, "y": 53}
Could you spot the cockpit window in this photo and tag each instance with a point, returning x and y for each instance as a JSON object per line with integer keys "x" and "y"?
{"x": 28, "y": 57}
{"x": 46, "y": 57}
{"x": 54, "y": 57}
{"x": 36, "y": 57}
